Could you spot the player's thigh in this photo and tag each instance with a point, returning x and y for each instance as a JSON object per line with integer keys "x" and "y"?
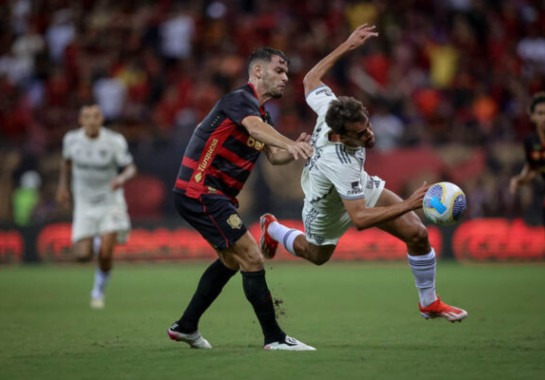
{"x": 407, "y": 227}
{"x": 114, "y": 220}
{"x": 83, "y": 249}
{"x": 214, "y": 217}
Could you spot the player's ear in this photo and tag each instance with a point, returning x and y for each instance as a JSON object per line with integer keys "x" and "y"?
{"x": 258, "y": 70}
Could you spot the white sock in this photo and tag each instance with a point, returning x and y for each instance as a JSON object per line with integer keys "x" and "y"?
{"x": 423, "y": 268}
{"x": 101, "y": 281}
{"x": 96, "y": 245}
{"x": 284, "y": 235}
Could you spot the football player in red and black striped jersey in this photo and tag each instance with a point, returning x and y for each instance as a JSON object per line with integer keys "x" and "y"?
{"x": 534, "y": 147}
{"x": 219, "y": 157}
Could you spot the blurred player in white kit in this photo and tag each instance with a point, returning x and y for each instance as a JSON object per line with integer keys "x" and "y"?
{"x": 95, "y": 164}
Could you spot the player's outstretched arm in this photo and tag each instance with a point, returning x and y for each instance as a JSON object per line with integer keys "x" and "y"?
{"x": 279, "y": 156}
{"x": 358, "y": 37}
{"x": 269, "y": 136}
{"x": 364, "y": 217}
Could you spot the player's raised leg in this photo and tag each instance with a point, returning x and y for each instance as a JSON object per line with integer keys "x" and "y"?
{"x": 422, "y": 261}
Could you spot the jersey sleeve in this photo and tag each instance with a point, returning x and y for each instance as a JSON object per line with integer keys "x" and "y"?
{"x": 319, "y": 99}
{"x": 67, "y": 142}
{"x": 346, "y": 178}
{"x": 240, "y": 104}
{"x": 122, "y": 155}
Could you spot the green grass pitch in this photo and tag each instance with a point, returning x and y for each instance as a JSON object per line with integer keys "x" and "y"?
{"x": 362, "y": 318}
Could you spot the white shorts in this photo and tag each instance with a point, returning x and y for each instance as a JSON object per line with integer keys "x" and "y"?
{"x": 323, "y": 228}
{"x": 92, "y": 221}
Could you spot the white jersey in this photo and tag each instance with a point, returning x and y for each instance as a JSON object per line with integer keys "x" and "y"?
{"x": 95, "y": 163}
{"x": 333, "y": 173}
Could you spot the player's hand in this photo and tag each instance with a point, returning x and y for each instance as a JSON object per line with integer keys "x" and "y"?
{"x": 416, "y": 198}
{"x": 117, "y": 183}
{"x": 304, "y": 137}
{"x": 300, "y": 149}
{"x": 361, "y": 34}
{"x": 514, "y": 184}
{"x": 63, "y": 198}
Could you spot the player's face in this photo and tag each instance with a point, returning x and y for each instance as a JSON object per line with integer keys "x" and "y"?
{"x": 538, "y": 116}
{"x": 90, "y": 118}
{"x": 359, "y": 134}
{"x": 275, "y": 76}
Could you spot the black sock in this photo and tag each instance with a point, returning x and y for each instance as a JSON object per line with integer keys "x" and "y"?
{"x": 210, "y": 286}
{"x": 257, "y": 292}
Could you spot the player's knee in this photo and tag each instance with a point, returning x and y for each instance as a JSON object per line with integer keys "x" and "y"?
{"x": 418, "y": 236}
{"x": 320, "y": 260}
{"x": 251, "y": 262}
{"x": 255, "y": 261}
{"x": 317, "y": 255}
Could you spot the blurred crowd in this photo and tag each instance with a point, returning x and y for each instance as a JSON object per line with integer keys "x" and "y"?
{"x": 447, "y": 75}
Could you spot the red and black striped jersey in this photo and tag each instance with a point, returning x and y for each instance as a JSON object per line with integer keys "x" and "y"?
{"x": 221, "y": 153}
{"x": 535, "y": 153}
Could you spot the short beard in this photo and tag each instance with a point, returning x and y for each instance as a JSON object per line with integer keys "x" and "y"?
{"x": 276, "y": 95}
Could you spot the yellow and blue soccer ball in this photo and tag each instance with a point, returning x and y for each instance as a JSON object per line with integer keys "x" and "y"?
{"x": 444, "y": 204}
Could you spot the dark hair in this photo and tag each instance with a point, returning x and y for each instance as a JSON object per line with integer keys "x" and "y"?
{"x": 538, "y": 98}
{"x": 89, "y": 103}
{"x": 266, "y": 54}
{"x": 345, "y": 109}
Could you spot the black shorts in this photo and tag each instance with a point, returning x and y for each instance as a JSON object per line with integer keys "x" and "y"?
{"x": 213, "y": 216}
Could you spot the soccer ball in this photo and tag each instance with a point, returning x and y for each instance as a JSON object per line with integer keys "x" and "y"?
{"x": 444, "y": 204}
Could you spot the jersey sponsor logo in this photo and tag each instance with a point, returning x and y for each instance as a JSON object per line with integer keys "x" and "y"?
{"x": 356, "y": 188}
{"x": 373, "y": 183}
{"x": 253, "y": 143}
{"x": 206, "y": 160}
{"x": 234, "y": 222}
{"x": 326, "y": 91}
{"x": 84, "y": 166}
{"x": 204, "y": 163}
{"x": 96, "y": 199}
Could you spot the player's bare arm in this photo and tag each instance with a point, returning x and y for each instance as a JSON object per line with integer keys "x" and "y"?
{"x": 63, "y": 195}
{"x": 358, "y": 37}
{"x": 279, "y": 156}
{"x": 127, "y": 173}
{"x": 364, "y": 217}
{"x": 265, "y": 133}
{"x": 525, "y": 176}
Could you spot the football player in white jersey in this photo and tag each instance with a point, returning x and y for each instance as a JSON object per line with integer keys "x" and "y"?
{"x": 339, "y": 192}
{"x": 95, "y": 164}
